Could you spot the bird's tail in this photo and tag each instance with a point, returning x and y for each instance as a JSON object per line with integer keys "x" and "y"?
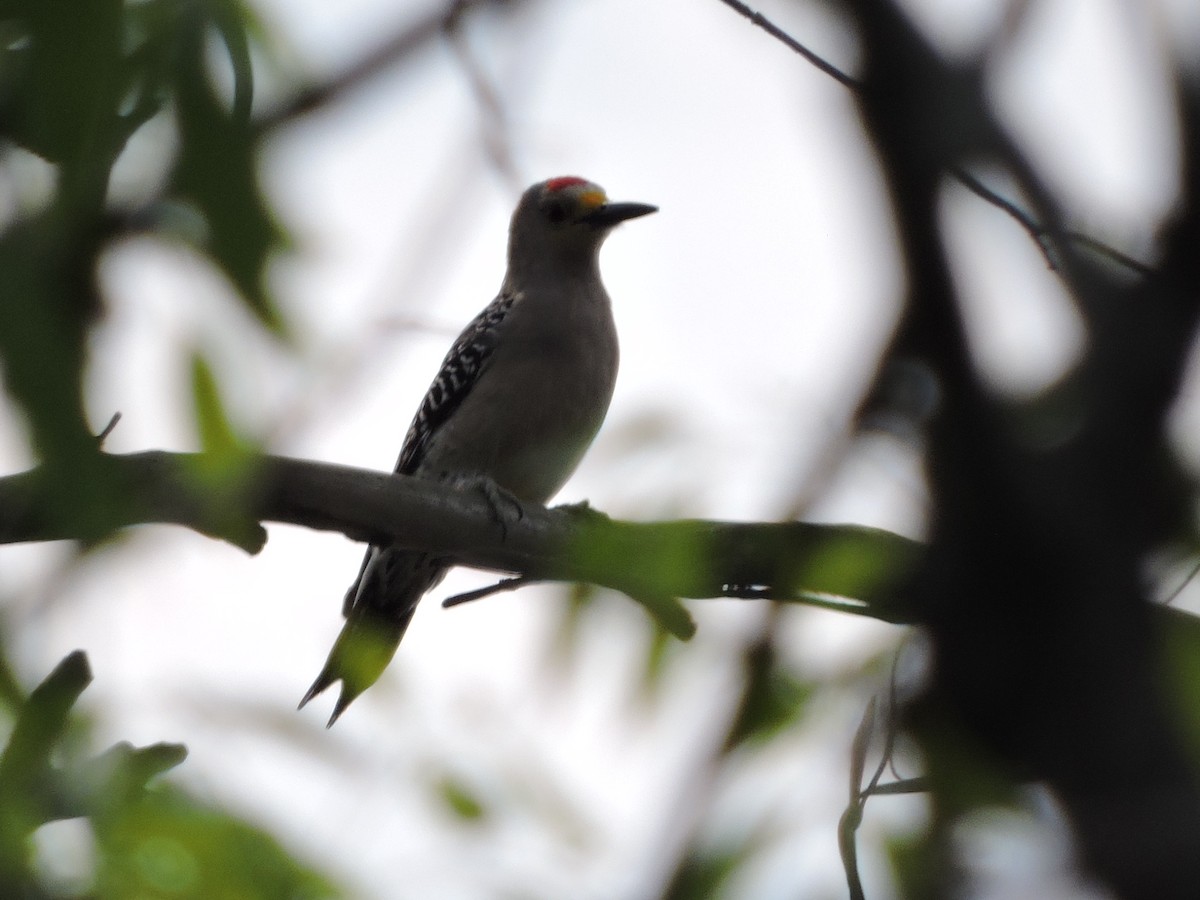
{"x": 359, "y": 655}
{"x": 378, "y": 608}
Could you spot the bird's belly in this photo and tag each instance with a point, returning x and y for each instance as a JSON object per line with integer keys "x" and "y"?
{"x": 533, "y": 452}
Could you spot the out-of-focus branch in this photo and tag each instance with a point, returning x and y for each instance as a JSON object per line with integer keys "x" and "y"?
{"x": 1041, "y": 235}
{"x": 494, "y": 130}
{"x": 1046, "y": 661}
{"x": 1045, "y": 233}
{"x": 426, "y": 29}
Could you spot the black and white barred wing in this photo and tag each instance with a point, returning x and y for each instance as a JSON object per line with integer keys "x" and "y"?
{"x": 458, "y": 374}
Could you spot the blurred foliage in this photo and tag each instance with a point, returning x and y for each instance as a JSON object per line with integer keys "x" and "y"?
{"x": 219, "y": 440}
{"x": 706, "y": 872}
{"x": 1180, "y": 634}
{"x": 460, "y": 799}
{"x": 150, "y": 840}
{"x": 73, "y": 90}
{"x": 226, "y": 467}
{"x": 774, "y": 699}
{"x": 77, "y": 81}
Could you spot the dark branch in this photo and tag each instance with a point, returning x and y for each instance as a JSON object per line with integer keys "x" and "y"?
{"x": 1036, "y": 231}
{"x": 414, "y": 37}
{"x": 503, "y": 586}
{"x": 108, "y": 429}
{"x": 1108, "y": 252}
{"x": 1043, "y": 235}
{"x": 779, "y": 34}
{"x": 791, "y": 561}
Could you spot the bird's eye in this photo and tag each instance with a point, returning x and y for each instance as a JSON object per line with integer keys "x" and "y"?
{"x": 556, "y": 212}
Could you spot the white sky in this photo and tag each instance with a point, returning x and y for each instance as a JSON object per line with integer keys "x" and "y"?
{"x": 750, "y": 311}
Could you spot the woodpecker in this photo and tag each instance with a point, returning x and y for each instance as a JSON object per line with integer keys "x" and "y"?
{"x": 516, "y": 403}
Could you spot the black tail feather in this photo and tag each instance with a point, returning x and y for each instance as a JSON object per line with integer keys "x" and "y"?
{"x": 378, "y": 608}
{"x": 359, "y": 656}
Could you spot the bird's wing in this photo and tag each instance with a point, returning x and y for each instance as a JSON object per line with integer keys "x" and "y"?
{"x": 458, "y": 374}
{"x": 390, "y": 582}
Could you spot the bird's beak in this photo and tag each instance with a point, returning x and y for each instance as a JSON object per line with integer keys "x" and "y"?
{"x": 611, "y": 213}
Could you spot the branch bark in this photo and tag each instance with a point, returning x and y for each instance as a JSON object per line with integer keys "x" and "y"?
{"x": 789, "y": 561}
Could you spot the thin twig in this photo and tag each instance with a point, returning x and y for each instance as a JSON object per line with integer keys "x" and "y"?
{"x": 1042, "y": 236}
{"x": 1111, "y": 253}
{"x": 779, "y": 34}
{"x": 1174, "y": 595}
{"x": 852, "y": 816}
{"x": 500, "y": 587}
{"x": 893, "y": 704}
{"x": 918, "y": 785}
{"x": 494, "y": 120}
{"x": 1032, "y": 227}
{"x": 408, "y": 41}
{"x": 108, "y": 429}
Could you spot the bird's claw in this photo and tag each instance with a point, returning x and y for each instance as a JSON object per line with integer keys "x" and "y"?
{"x": 581, "y": 510}
{"x": 497, "y": 499}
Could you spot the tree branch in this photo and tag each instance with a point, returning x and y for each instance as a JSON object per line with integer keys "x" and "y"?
{"x": 1048, "y": 237}
{"x": 427, "y": 28}
{"x": 757, "y": 18}
{"x": 791, "y": 561}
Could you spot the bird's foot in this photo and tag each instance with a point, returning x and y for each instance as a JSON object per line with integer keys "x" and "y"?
{"x": 502, "y": 503}
{"x": 582, "y": 511}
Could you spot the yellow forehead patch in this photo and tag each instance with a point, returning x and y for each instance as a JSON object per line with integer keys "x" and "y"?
{"x": 592, "y": 199}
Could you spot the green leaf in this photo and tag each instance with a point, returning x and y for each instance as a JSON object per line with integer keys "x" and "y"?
{"x": 657, "y": 571}
{"x": 461, "y": 799}
{"x": 1180, "y": 636}
{"x": 227, "y": 467}
{"x": 152, "y": 843}
{"x": 773, "y": 700}
{"x": 569, "y": 629}
{"x": 47, "y": 302}
{"x": 64, "y": 73}
{"x": 658, "y": 651}
{"x": 855, "y": 562}
{"x": 232, "y": 20}
{"x": 218, "y": 438}
{"x": 25, "y": 766}
{"x": 216, "y": 171}
{"x": 703, "y": 873}
{"x": 106, "y": 783}
{"x": 170, "y": 845}
{"x": 915, "y": 862}
{"x": 669, "y": 614}
{"x": 962, "y": 772}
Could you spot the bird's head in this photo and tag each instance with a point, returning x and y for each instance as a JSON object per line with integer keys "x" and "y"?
{"x": 566, "y": 218}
